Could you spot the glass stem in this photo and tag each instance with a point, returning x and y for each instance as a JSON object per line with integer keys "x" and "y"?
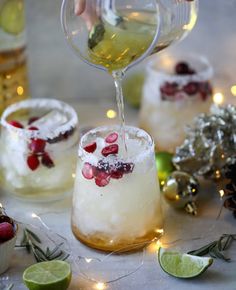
{"x": 118, "y": 76}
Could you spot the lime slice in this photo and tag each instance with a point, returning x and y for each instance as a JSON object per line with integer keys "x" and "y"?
{"x": 182, "y": 265}
{"x": 53, "y": 275}
{"x": 12, "y": 18}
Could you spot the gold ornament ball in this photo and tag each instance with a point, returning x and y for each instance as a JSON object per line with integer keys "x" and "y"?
{"x": 164, "y": 165}
{"x": 180, "y": 189}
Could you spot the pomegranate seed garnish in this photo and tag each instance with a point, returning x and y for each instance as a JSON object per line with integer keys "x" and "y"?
{"x": 37, "y": 145}
{"x": 111, "y": 149}
{"x": 182, "y": 68}
{"x": 117, "y": 174}
{"x": 6, "y": 231}
{"x": 16, "y": 124}
{"x": 47, "y": 161}
{"x": 191, "y": 88}
{"x": 33, "y": 128}
{"x": 32, "y": 120}
{"x": 112, "y": 138}
{"x": 102, "y": 179}
{"x": 33, "y": 162}
{"x": 90, "y": 148}
{"x": 88, "y": 171}
{"x": 169, "y": 89}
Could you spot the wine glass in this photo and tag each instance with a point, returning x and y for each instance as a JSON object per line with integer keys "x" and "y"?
{"x": 114, "y": 35}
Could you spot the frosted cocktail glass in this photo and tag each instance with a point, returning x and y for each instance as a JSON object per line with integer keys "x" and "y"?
{"x": 39, "y": 141}
{"x": 116, "y": 202}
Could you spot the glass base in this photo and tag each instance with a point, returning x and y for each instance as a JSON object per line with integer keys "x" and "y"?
{"x": 101, "y": 242}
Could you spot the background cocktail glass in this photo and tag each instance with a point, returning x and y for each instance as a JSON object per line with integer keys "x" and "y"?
{"x": 39, "y": 139}
{"x": 172, "y": 99}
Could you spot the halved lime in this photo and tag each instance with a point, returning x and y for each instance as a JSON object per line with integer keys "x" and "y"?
{"x": 12, "y": 19}
{"x": 182, "y": 265}
{"x": 53, "y": 275}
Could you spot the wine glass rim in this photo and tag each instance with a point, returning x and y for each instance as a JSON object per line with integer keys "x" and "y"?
{"x": 138, "y": 60}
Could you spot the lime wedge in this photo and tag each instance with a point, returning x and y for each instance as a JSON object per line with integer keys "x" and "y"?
{"x": 12, "y": 18}
{"x": 53, "y": 275}
{"x": 182, "y": 265}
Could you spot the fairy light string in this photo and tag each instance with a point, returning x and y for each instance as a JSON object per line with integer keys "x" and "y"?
{"x": 148, "y": 247}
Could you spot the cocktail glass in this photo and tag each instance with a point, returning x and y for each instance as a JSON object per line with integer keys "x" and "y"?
{"x": 39, "y": 139}
{"x": 116, "y": 203}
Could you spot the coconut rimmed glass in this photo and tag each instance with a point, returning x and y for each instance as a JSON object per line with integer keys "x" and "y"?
{"x": 39, "y": 165}
{"x": 116, "y": 201}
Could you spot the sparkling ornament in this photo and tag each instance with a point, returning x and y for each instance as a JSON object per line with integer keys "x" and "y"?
{"x": 164, "y": 166}
{"x": 180, "y": 191}
{"x": 209, "y": 143}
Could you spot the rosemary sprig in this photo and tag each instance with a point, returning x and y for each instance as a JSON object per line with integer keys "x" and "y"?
{"x": 215, "y": 249}
{"x": 31, "y": 242}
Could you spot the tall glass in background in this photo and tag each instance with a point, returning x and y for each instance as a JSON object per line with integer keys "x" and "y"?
{"x": 13, "y": 69}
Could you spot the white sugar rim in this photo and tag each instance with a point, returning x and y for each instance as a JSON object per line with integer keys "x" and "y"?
{"x": 206, "y": 73}
{"x": 140, "y": 133}
{"x": 41, "y": 103}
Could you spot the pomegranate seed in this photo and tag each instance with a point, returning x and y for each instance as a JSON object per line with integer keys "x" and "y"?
{"x": 191, "y": 88}
{"x": 111, "y": 149}
{"x": 88, "y": 171}
{"x": 33, "y": 162}
{"x": 16, "y": 124}
{"x": 182, "y": 68}
{"x": 33, "y": 128}
{"x": 169, "y": 89}
{"x": 47, "y": 161}
{"x": 32, "y": 120}
{"x": 112, "y": 138}
{"x": 102, "y": 179}
{"x": 90, "y": 148}
{"x": 37, "y": 145}
{"x": 117, "y": 174}
{"x": 6, "y": 231}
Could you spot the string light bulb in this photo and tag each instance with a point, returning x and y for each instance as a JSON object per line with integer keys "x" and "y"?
{"x": 222, "y": 193}
{"x": 218, "y": 98}
{"x": 233, "y": 90}
{"x": 111, "y": 114}
{"x": 100, "y": 286}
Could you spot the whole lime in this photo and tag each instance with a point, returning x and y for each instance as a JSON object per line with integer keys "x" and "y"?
{"x": 164, "y": 165}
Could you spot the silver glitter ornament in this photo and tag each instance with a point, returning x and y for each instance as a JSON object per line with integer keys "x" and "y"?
{"x": 209, "y": 144}
{"x": 180, "y": 191}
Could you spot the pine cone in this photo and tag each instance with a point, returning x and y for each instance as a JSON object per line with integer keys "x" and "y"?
{"x": 230, "y": 187}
